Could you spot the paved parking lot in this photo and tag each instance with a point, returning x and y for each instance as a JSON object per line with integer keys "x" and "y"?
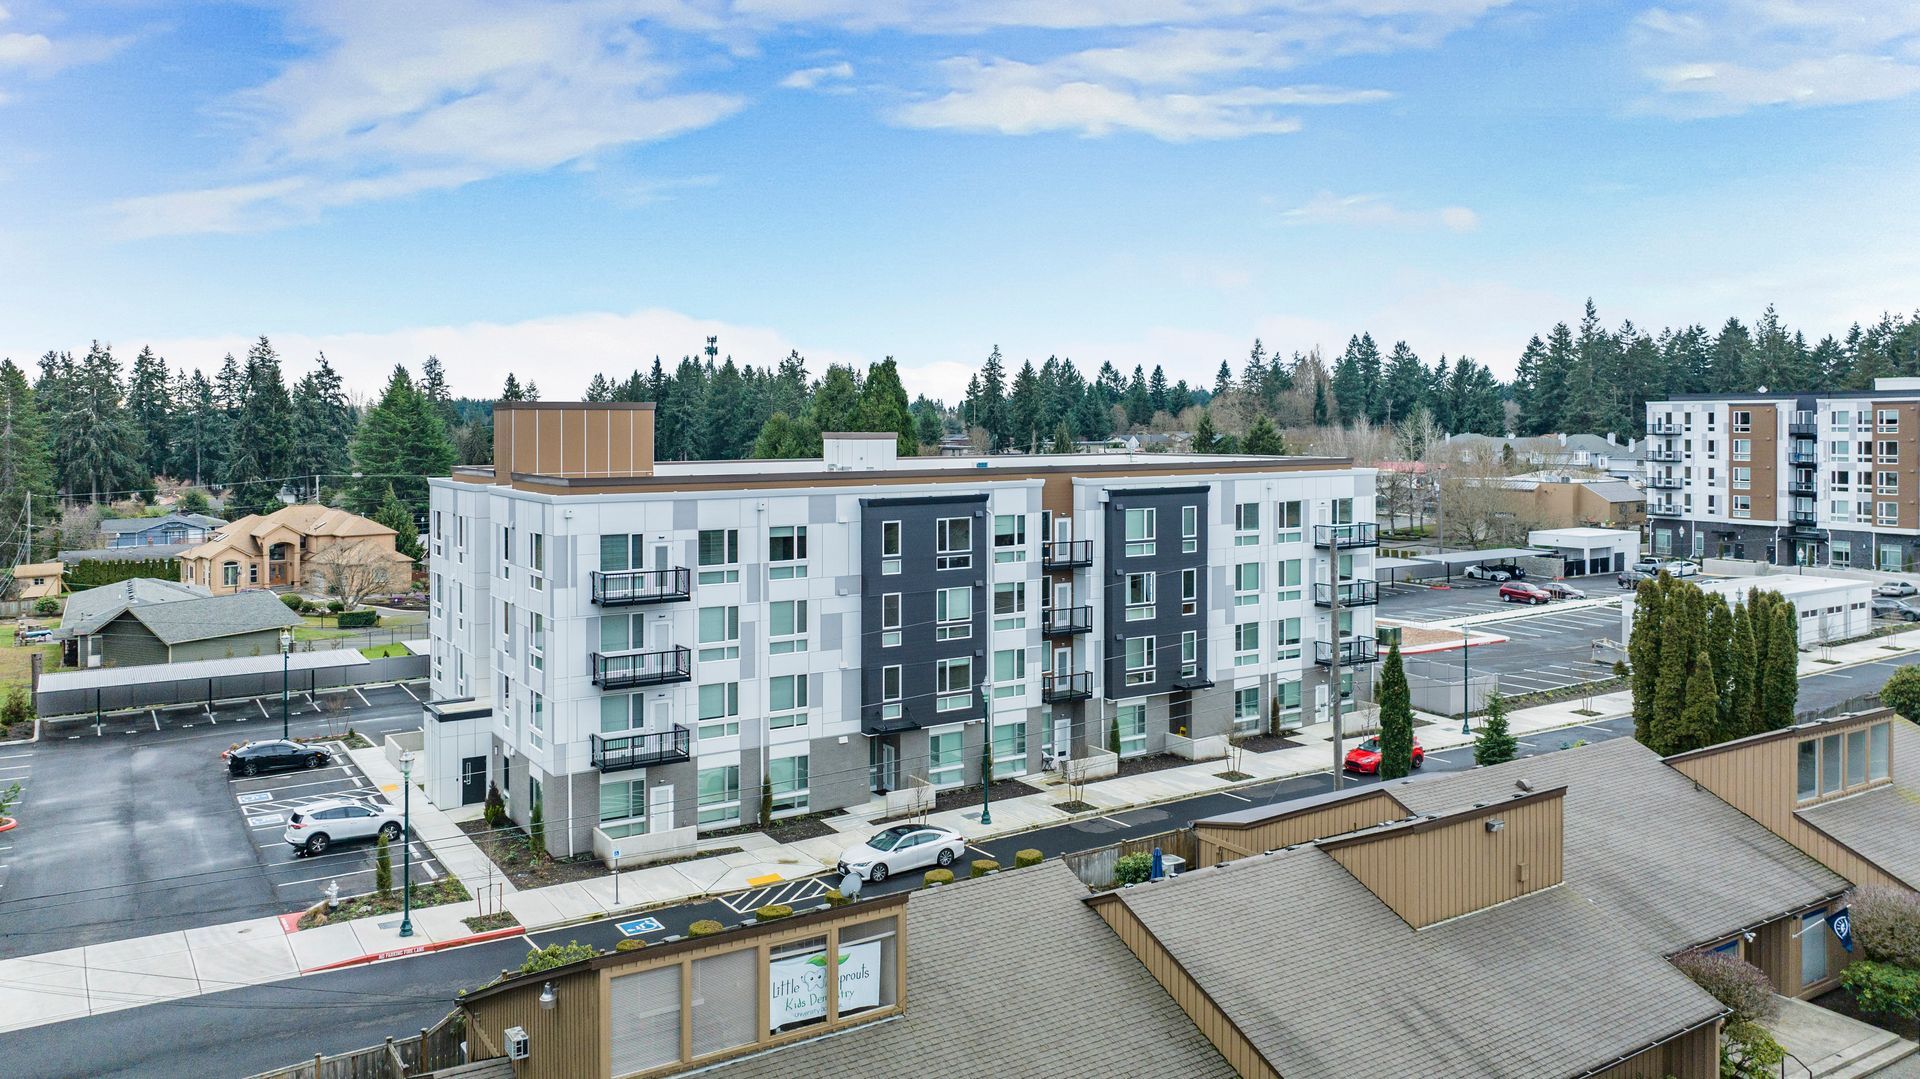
{"x": 300, "y": 880}
{"x": 1548, "y": 647}
{"x": 371, "y": 710}
{"x": 1472, "y": 597}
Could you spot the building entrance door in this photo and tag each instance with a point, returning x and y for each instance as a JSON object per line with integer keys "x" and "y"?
{"x": 473, "y": 780}
{"x": 659, "y": 807}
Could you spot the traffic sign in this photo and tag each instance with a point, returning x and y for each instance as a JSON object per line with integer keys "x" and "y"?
{"x": 638, "y": 926}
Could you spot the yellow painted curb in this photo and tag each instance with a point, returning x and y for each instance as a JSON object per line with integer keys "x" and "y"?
{"x": 770, "y": 878}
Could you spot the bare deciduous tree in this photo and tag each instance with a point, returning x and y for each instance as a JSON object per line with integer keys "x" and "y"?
{"x": 354, "y": 575}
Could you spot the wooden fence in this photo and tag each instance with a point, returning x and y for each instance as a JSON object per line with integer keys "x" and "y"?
{"x": 434, "y": 1048}
{"x": 1095, "y": 867}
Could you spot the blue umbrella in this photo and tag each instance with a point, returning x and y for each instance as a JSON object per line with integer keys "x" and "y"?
{"x": 1159, "y": 866}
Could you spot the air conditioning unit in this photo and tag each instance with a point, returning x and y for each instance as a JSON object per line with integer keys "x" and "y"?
{"x": 516, "y": 1042}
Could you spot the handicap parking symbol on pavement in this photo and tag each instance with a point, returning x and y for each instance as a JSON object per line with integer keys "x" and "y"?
{"x": 638, "y": 926}
{"x": 265, "y": 819}
{"x": 251, "y": 797}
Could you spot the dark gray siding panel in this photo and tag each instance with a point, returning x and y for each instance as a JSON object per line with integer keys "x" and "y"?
{"x": 917, "y": 582}
{"x": 128, "y": 643}
{"x": 1166, "y": 562}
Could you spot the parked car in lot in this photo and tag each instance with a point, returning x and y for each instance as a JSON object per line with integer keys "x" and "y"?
{"x": 1631, "y": 578}
{"x": 1896, "y": 589}
{"x": 274, "y": 755}
{"x": 318, "y": 825}
{"x": 1562, "y": 590}
{"x": 1498, "y": 571}
{"x": 1649, "y": 566}
{"x": 1365, "y": 757}
{"x": 1522, "y": 592}
{"x": 1680, "y": 567}
{"x": 1904, "y": 609}
{"x": 900, "y": 848}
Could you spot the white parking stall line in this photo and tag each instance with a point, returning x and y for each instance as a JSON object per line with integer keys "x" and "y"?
{"x": 1529, "y": 682}
{"x": 156, "y": 719}
{"x": 362, "y": 696}
{"x": 334, "y": 876}
{"x": 14, "y": 756}
{"x": 263, "y": 708}
{"x": 410, "y": 693}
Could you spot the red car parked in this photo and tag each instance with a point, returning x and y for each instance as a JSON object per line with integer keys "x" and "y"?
{"x": 1365, "y": 757}
{"x": 1522, "y": 592}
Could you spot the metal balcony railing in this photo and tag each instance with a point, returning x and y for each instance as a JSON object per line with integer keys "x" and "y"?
{"x": 1352, "y": 594}
{"x": 1056, "y": 688}
{"x": 629, "y": 751}
{"x": 621, "y": 588}
{"x": 1663, "y": 509}
{"x": 1066, "y": 554}
{"x": 1662, "y": 427}
{"x": 1664, "y": 483}
{"x": 1063, "y": 621}
{"x": 1803, "y": 487}
{"x": 1802, "y": 457}
{"x": 1363, "y": 534}
{"x": 618, "y": 670}
{"x": 1803, "y": 430}
{"x": 1353, "y": 650}
{"x": 1803, "y": 518}
{"x": 1666, "y": 456}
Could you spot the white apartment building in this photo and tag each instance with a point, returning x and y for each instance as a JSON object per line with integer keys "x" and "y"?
{"x": 1792, "y": 479}
{"x": 640, "y": 645}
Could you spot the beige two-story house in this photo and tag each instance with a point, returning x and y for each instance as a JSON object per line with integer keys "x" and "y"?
{"x": 295, "y": 547}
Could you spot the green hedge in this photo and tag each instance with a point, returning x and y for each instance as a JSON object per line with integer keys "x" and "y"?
{"x": 705, "y": 927}
{"x": 1025, "y": 858}
{"x": 936, "y": 877}
{"x": 358, "y": 619}
{"x": 773, "y": 912}
{"x": 92, "y": 573}
{"x": 982, "y": 866}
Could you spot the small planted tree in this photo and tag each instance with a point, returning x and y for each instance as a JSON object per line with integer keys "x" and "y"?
{"x": 1273, "y": 715}
{"x": 766, "y": 800}
{"x": 1113, "y": 734}
{"x": 1495, "y": 744}
{"x": 496, "y": 807}
{"x": 17, "y": 709}
{"x": 537, "y": 830}
{"x": 382, "y": 867}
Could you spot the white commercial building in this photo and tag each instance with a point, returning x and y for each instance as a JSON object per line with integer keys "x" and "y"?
{"x": 1828, "y": 608}
{"x": 1589, "y": 550}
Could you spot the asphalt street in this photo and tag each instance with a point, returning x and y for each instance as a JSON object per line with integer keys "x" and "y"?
{"x": 132, "y": 827}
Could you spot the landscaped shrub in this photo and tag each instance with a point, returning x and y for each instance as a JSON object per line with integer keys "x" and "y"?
{"x": 705, "y": 927}
{"x": 496, "y": 807}
{"x": 1025, "y": 858}
{"x": 630, "y": 945}
{"x": 1886, "y": 922}
{"x": 1883, "y": 988}
{"x": 1749, "y": 1052}
{"x": 1733, "y": 982}
{"x": 357, "y": 619}
{"x": 17, "y": 708}
{"x": 382, "y": 867}
{"x": 1133, "y": 868}
{"x": 556, "y": 955}
{"x": 836, "y": 898}
{"x": 336, "y": 605}
{"x": 773, "y": 912}
{"x": 293, "y": 602}
{"x": 983, "y": 866}
{"x": 45, "y": 606}
{"x": 937, "y": 877}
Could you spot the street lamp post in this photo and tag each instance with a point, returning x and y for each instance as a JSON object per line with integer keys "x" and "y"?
{"x": 406, "y": 839}
{"x": 1466, "y": 678}
{"x": 286, "y": 658}
{"x": 986, "y": 752}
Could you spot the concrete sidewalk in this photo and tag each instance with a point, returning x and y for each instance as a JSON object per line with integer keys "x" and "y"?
{"x": 143, "y": 970}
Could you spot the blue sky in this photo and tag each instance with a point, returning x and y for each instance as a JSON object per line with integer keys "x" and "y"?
{"x": 556, "y": 189}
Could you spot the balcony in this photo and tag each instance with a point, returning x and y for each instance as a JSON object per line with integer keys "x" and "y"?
{"x": 1663, "y": 509}
{"x": 1365, "y": 534}
{"x": 642, "y": 750}
{"x": 619, "y": 670}
{"x": 627, "y": 588}
{"x": 1668, "y": 456}
{"x": 1060, "y": 688}
{"x": 1803, "y": 430}
{"x": 1807, "y": 487}
{"x": 1066, "y": 554}
{"x": 1803, "y": 518}
{"x": 1664, "y": 483}
{"x": 1799, "y": 456}
{"x": 1353, "y": 651}
{"x": 1662, "y": 427}
{"x": 1065, "y": 621}
{"x": 1352, "y": 594}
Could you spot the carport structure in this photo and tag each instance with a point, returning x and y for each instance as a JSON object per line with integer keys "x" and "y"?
{"x": 206, "y": 681}
{"x": 1527, "y": 558}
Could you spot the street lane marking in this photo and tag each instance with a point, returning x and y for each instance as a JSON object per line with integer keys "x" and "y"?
{"x": 1236, "y": 797}
{"x": 1121, "y": 823}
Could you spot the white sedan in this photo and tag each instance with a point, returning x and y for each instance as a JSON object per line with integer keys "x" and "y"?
{"x": 1680, "y": 567}
{"x": 319, "y": 825}
{"x": 1895, "y": 589}
{"x": 900, "y": 848}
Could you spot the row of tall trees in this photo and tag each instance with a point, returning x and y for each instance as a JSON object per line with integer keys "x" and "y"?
{"x": 1703, "y": 672}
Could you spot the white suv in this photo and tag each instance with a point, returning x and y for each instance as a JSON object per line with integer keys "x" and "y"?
{"x": 319, "y": 825}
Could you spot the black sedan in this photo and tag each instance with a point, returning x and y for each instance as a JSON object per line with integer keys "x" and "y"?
{"x": 276, "y": 755}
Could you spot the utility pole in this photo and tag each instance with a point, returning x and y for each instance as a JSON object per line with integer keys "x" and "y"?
{"x": 1333, "y": 670}
{"x": 1466, "y": 678}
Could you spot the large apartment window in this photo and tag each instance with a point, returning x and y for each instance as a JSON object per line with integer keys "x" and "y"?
{"x": 719, "y": 555}
{"x": 719, "y": 791}
{"x": 1840, "y": 451}
{"x": 1189, "y": 653}
{"x": 787, "y": 701}
{"x": 1742, "y": 478}
{"x": 1837, "y": 763}
{"x": 890, "y": 620}
{"x": 1742, "y": 449}
{"x": 1140, "y": 532}
{"x": 1246, "y": 524}
{"x": 1010, "y": 605}
{"x": 1132, "y": 721}
{"x": 889, "y": 547}
{"x": 719, "y": 633}
{"x": 946, "y": 759}
{"x": 537, "y": 724}
{"x": 890, "y": 692}
{"x": 1889, "y": 513}
{"x": 1009, "y": 672}
{"x": 1287, "y": 575}
{"x": 1189, "y": 529}
{"x": 1740, "y": 419}
{"x": 1287, "y": 522}
{"x": 1889, "y": 421}
{"x": 537, "y": 645}
{"x": 787, "y": 627}
{"x": 719, "y": 710}
{"x": 1139, "y": 653}
{"x": 1140, "y": 592}
{"x": 1342, "y": 511}
{"x": 622, "y": 800}
{"x": 621, "y": 712}
{"x": 1743, "y": 505}
{"x": 1189, "y": 591}
{"x": 1010, "y": 537}
{"x": 953, "y": 543}
{"x": 787, "y": 552}
{"x": 1286, "y": 639}
{"x": 1889, "y": 452}
{"x": 1840, "y": 553}
{"x": 1889, "y": 483}
{"x": 1246, "y": 709}
{"x": 1246, "y": 644}
{"x": 788, "y": 776}
{"x": 620, "y": 552}
{"x": 537, "y": 559}
{"x": 953, "y": 682}
{"x": 953, "y": 612}
{"x": 1010, "y": 747}
{"x": 1246, "y": 584}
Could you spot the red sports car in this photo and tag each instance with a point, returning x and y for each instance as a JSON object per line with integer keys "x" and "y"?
{"x": 1365, "y": 757}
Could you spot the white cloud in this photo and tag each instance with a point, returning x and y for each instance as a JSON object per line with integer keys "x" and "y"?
{"x": 809, "y": 78}
{"x": 1374, "y": 211}
{"x": 1718, "y": 57}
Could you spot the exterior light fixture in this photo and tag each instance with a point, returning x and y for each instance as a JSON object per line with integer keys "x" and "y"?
{"x": 1496, "y": 825}
{"x": 547, "y": 997}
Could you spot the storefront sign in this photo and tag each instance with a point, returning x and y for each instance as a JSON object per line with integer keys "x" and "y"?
{"x": 798, "y": 983}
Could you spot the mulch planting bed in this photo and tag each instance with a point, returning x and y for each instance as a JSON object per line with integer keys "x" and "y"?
{"x": 509, "y": 849}
{"x": 1266, "y": 743}
{"x": 1156, "y": 762}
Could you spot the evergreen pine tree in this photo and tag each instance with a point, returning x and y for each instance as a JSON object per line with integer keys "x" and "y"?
{"x": 1205, "y": 439}
{"x": 382, "y": 867}
{"x": 95, "y": 441}
{"x": 1494, "y": 744}
{"x": 400, "y": 442}
{"x": 1396, "y": 717}
{"x": 1263, "y": 439}
{"x": 1740, "y": 661}
{"x": 1699, "y": 717}
{"x": 323, "y": 426}
{"x": 1322, "y": 413}
{"x": 1223, "y": 380}
{"x": 149, "y": 406}
{"x": 260, "y": 446}
{"x": 433, "y": 386}
{"x": 1062, "y": 439}
{"x": 24, "y": 465}
{"x": 1643, "y": 652}
{"x": 836, "y": 401}
{"x": 1783, "y": 670}
{"x": 199, "y": 431}
{"x": 393, "y": 513}
{"x": 883, "y": 407}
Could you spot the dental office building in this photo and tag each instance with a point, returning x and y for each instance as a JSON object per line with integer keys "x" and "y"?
{"x": 638, "y": 645}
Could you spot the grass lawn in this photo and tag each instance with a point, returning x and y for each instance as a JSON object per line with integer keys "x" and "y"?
{"x": 384, "y": 651}
{"x": 16, "y": 661}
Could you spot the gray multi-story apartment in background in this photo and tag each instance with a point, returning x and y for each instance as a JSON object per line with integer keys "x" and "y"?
{"x": 639, "y": 645}
{"x": 1812, "y": 479}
